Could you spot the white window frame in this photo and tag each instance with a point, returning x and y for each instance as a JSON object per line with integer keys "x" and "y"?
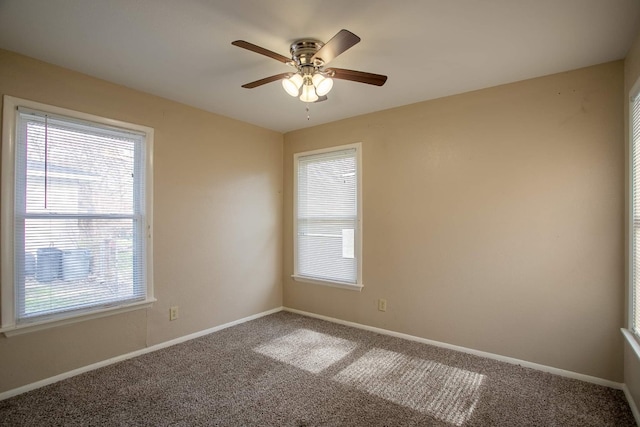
{"x": 633, "y": 338}
{"x": 358, "y": 238}
{"x": 8, "y": 325}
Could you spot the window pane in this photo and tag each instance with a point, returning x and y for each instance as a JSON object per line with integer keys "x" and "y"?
{"x": 327, "y": 186}
{"x": 320, "y": 250}
{"x": 74, "y": 263}
{"x": 73, "y": 172}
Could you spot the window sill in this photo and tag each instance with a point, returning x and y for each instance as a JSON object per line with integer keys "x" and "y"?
{"x": 341, "y": 285}
{"x": 25, "y": 328}
{"x": 632, "y": 340}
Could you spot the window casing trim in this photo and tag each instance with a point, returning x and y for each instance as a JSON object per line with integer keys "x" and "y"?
{"x": 7, "y": 289}
{"x": 331, "y": 283}
{"x": 75, "y": 317}
{"x": 358, "y": 241}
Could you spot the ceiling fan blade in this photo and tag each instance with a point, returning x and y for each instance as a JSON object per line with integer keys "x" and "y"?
{"x": 358, "y": 76}
{"x": 262, "y": 51}
{"x": 334, "y": 47}
{"x": 321, "y": 98}
{"x": 266, "y": 80}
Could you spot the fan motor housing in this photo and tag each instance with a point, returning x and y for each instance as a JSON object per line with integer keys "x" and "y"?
{"x": 303, "y": 50}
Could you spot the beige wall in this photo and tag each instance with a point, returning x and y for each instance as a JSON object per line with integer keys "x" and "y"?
{"x": 631, "y": 75}
{"x": 492, "y": 220}
{"x": 217, "y": 215}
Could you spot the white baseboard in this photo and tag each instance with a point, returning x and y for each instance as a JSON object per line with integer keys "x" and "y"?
{"x": 25, "y": 388}
{"x": 511, "y": 360}
{"x": 561, "y": 372}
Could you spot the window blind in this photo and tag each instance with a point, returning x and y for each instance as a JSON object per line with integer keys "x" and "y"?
{"x": 327, "y": 216}
{"x": 79, "y": 216}
{"x": 635, "y": 191}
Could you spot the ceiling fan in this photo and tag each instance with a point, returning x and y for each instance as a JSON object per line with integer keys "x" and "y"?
{"x": 312, "y": 81}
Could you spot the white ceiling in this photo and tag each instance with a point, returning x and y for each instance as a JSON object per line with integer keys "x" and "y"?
{"x": 182, "y": 50}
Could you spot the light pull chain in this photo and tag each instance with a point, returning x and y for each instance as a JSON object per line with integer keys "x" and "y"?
{"x": 308, "y": 115}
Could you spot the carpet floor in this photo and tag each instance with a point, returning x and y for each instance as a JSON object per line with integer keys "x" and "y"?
{"x": 291, "y": 370}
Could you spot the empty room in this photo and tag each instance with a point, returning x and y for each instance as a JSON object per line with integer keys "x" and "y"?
{"x": 330, "y": 213}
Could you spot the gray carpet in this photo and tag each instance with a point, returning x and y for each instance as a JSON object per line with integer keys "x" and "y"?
{"x": 290, "y": 370}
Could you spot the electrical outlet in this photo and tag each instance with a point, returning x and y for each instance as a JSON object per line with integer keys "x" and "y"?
{"x": 173, "y": 313}
{"x": 382, "y": 304}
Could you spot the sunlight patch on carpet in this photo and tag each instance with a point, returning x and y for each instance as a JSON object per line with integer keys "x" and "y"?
{"x": 308, "y": 350}
{"x": 444, "y": 392}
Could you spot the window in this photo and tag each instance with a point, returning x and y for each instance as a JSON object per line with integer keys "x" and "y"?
{"x": 76, "y": 215}
{"x": 327, "y": 217}
{"x": 634, "y": 228}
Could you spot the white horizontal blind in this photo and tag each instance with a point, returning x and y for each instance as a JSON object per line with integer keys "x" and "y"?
{"x": 327, "y": 216}
{"x": 635, "y": 191}
{"x": 79, "y": 216}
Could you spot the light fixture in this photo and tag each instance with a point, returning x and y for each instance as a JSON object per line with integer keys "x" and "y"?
{"x": 310, "y": 82}
{"x": 313, "y": 82}
{"x": 292, "y": 84}
{"x": 308, "y": 92}
{"x": 323, "y": 84}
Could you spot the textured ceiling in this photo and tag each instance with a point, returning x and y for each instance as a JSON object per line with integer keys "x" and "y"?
{"x": 182, "y": 50}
